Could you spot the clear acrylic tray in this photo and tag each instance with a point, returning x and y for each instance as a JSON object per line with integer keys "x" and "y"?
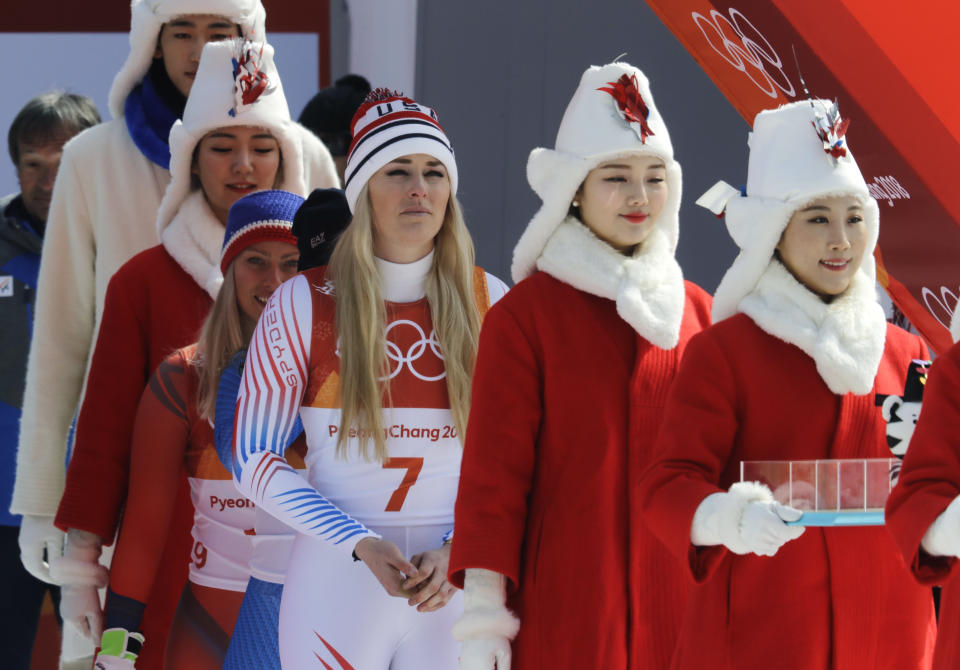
{"x": 842, "y": 492}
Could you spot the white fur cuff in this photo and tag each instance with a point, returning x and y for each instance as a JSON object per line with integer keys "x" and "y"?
{"x": 486, "y": 622}
{"x": 750, "y": 492}
{"x": 76, "y": 572}
{"x": 943, "y": 536}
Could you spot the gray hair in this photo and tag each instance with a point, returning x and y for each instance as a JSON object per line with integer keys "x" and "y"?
{"x": 48, "y": 116}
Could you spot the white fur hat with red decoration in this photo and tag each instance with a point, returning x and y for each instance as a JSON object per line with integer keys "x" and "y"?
{"x": 612, "y": 114}
{"x": 798, "y": 154}
{"x": 387, "y": 126}
{"x": 147, "y": 18}
{"x": 236, "y": 85}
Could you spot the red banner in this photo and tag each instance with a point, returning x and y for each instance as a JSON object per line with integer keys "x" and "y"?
{"x": 890, "y": 65}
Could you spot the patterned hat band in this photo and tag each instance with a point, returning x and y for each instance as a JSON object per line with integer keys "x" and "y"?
{"x": 263, "y": 216}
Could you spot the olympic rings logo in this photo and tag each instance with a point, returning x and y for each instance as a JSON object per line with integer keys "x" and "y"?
{"x": 746, "y": 49}
{"x": 414, "y": 353}
{"x": 942, "y": 306}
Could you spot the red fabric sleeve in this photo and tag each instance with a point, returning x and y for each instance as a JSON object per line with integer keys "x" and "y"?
{"x": 499, "y": 452}
{"x": 930, "y": 477}
{"x": 97, "y": 476}
{"x": 160, "y": 437}
{"x": 694, "y": 443}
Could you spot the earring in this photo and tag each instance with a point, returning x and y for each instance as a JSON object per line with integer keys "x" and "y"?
{"x": 575, "y": 203}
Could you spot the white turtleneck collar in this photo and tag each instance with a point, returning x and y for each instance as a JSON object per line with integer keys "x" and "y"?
{"x": 404, "y": 282}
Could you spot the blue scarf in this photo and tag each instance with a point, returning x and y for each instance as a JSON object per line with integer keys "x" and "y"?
{"x": 149, "y": 120}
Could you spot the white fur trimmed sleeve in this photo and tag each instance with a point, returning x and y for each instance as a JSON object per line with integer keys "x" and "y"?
{"x": 271, "y": 390}
{"x": 63, "y": 334}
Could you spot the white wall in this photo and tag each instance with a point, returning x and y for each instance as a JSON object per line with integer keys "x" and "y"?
{"x": 383, "y": 43}
{"x": 86, "y": 63}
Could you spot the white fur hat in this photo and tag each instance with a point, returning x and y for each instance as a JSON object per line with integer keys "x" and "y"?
{"x": 148, "y": 16}
{"x": 791, "y": 164}
{"x": 596, "y": 128}
{"x": 214, "y": 102}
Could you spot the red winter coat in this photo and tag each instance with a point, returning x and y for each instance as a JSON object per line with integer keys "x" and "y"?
{"x": 929, "y": 481}
{"x": 152, "y": 308}
{"x": 567, "y": 399}
{"x": 834, "y": 598}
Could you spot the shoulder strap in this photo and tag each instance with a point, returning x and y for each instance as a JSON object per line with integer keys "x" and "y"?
{"x": 481, "y": 294}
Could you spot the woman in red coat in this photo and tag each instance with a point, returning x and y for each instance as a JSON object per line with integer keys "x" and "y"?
{"x": 174, "y": 431}
{"x": 791, "y": 370}
{"x": 923, "y": 511}
{"x": 571, "y": 376}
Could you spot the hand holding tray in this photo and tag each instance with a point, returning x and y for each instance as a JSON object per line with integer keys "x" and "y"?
{"x": 842, "y": 492}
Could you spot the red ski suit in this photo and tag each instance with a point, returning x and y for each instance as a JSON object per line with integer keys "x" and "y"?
{"x": 567, "y": 400}
{"x": 929, "y": 481}
{"x": 834, "y": 598}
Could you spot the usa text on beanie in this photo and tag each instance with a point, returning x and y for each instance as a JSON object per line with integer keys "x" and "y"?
{"x": 386, "y": 127}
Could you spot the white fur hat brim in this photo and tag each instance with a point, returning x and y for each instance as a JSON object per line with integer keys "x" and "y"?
{"x": 756, "y": 225}
{"x": 594, "y": 130}
{"x": 208, "y": 108}
{"x": 147, "y": 18}
{"x": 555, "y": 177}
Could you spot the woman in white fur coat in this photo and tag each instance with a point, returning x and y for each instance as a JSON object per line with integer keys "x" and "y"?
{"x": 236, "y": 137}
{"x": 103, "y": 212}
{"x": 790, "y": 370}
{"x": 572, "y": 373}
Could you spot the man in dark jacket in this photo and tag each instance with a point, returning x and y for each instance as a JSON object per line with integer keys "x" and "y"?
{"x": 36, "y": 140}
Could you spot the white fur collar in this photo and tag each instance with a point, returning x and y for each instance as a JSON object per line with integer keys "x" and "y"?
{"x": 647, "y": 287}
{"x": 194, "y": 238}
{"x": 845, "y": 337}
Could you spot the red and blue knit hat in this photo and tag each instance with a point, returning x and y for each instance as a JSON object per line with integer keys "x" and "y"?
{"x": 387, "y": 126}
{"x": 259, "y": 217}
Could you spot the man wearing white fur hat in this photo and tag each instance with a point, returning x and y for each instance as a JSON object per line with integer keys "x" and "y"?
{"x": 572, "y": 373}
{"x": 108, "y": 190}
{"x": 790, "y": 370}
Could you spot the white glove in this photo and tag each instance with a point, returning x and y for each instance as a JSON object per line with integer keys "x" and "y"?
{"x": 119, "y": 649}
{"x": 943, "y": 536}
{"x": 37, "y": 533}
{"x": 485, "y": 654}
{"x": 80, "y": 575}
{"x": 487, "y": 626}
{"x": 745, "y": 520}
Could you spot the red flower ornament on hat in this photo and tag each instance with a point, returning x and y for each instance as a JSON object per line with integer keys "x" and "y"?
{"x": 630, "y": 104}
{"x": 250, "y": 81}
{"x": 831, "y": 130}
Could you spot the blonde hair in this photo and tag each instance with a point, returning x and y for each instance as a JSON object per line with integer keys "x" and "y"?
{"x": 223, "y": 333}
{"x": 361, "y": 323}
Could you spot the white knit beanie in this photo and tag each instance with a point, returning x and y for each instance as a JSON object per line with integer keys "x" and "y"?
{"x": 794, "y": 160}
{"x": 216, "y": 101}
{"x": 603, "y": 121}
{"x": 387, "y": 126}
{"x": 148, "y": 16}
